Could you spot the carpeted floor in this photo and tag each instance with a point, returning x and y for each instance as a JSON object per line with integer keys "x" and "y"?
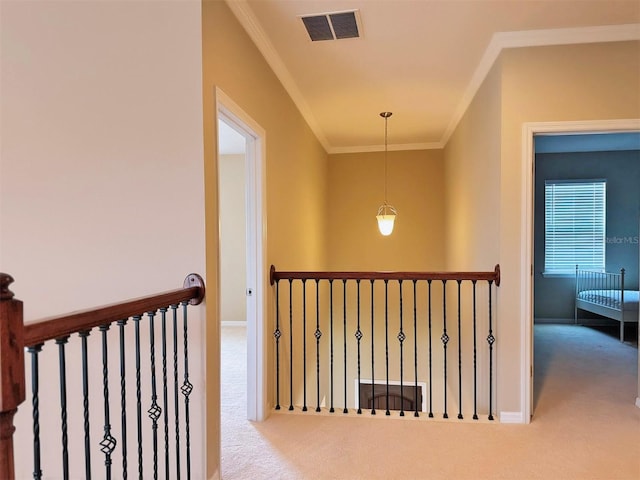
{"x": 585, "y": 426}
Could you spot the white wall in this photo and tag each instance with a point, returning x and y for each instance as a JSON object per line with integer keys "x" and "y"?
{"x": 101, "y": 167}
{"x": 233, "y": 243}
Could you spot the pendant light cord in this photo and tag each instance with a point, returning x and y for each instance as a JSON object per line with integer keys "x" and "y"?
{"x": 386, "y": 116}
{"x": 385, "y": 159}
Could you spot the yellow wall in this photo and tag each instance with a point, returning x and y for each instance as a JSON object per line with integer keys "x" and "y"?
{"x": 559, "y": 83}
{"x": 574, "y": 82}
{"x": 472, "y": 202}
{"x": 356, "y": 190}
{"x": 296, "y": 166}
{"x": 472, "y": 173}
{"x": 415, "y": 188}
{"x": 296, "y": 162}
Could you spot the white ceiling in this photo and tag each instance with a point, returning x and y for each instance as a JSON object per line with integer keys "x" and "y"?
{"x": 423, "y": 60}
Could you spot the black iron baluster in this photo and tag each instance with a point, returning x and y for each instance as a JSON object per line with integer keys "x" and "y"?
{"x": 123, "y": 398}
{"x": 475, "y": 363}
{"x": 373, "y": 374}
{"x": 155, "y": 410}
{"x": 386, "y": 339}
{"x": 430, "y": 356}
{"x": 490, "y": 340}
{"x": 85, "y": 404}
{"x": 304, "y": 345}
{"x": 186, "y": 390}
{"x": 358, "y": 335}
{"x": 331, "y": 410}
{"x": 61, "y": 342}
{"x": 277, "y": 334}
{"x": 290, "y": 344}
{"x": 35, "y": 403}
{"x": 136, "y": 322}
{"x": 108, "y": 443}
{"x": 445, "y": 340}
{"x": 401, "y": 339}
{"x": 165, "y": 393}
{"x": 459, "y": 355}
{"x": 344, "y": 338}
{"x": 318, "y": 334}
{"x": 176, "y": 403}
{"x": 415, "y": 349}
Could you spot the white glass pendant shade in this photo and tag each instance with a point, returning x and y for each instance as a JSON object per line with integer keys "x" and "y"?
{"x": 386, "y": 217}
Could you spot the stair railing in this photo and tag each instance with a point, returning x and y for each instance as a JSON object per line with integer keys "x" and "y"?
{"x": 15, "y": 337}
{"x": 398, "y": 340}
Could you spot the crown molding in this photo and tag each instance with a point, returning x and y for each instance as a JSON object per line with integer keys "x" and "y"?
{"x": 566, "y": 36}
{"x": 578, "y": 127}
{"x": 535, "y": 38}
{"x": 244, "y": 14}
{"x": 390, "y": 148}
{"x": 499, "y": 41}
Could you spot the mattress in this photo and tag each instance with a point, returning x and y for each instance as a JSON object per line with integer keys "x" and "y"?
{"x": 611, "y": 298}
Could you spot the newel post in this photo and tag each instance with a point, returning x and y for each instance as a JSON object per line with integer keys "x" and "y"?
{"x": 12, "y": 380}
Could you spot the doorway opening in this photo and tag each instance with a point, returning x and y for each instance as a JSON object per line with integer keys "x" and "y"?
{"x": 533, "y": 237}
{"x": 242, "y": 242}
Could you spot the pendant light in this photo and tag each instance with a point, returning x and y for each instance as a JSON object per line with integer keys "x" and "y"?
{"x": 386, "y": 213}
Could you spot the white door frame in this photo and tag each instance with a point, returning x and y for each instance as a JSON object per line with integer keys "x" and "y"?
{"x": 526, "y": 239}
{"x": 233, "y": 115}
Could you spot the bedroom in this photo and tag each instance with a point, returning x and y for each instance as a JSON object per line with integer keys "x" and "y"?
{"x": 614, "y": 158}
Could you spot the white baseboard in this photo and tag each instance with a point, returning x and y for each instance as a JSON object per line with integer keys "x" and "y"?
{"x": 546, "y": 320}
{"x": 231, "y": 323}
{"x": 511, "y": 417}
{"x": 638, "y": 402}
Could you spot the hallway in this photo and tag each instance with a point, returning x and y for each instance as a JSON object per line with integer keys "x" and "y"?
{"x": 585, "y": 426}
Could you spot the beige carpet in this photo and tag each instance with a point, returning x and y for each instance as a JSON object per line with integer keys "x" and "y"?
{"x": 585, "y": 426}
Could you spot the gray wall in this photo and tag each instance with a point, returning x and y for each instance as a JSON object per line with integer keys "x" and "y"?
{"x": 553, "y": 297}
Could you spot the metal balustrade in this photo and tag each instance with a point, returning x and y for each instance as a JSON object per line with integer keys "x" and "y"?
{"x": 36, "y": 338}
{"x": 399, "y": 331}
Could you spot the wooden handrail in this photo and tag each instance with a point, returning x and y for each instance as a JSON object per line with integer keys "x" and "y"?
{"x": 489, "y": 276}
{"x": 63, "y": 325}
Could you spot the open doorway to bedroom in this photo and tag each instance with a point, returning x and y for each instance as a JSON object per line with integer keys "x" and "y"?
{"x": 241, "y": 256}
{"x": 232, "y": 222}
{"x": 575, "y": 175}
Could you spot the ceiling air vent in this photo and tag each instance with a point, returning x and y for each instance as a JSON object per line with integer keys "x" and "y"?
{"x": 332, "y": 26}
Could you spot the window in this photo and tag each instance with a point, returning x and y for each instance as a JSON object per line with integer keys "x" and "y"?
{"x": 574, "y": 225}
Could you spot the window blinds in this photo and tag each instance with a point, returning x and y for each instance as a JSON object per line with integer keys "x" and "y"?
{"x": 575, "y": 217}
